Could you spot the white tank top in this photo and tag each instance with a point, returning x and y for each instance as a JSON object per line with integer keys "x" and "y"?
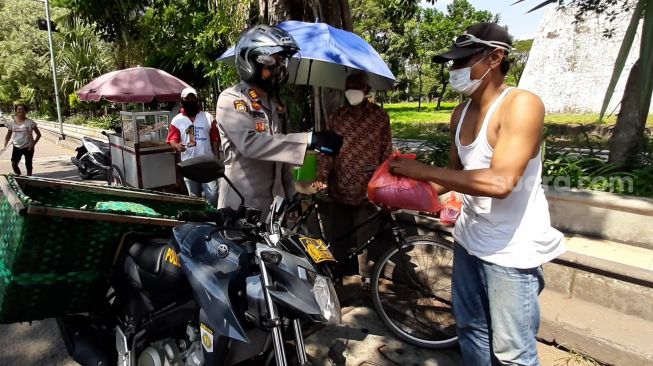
{"x": 511, "y": 232}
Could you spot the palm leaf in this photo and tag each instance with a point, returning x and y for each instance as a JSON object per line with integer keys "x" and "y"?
{"x": 620, "y": 62}
{"x": 541, "y": 5}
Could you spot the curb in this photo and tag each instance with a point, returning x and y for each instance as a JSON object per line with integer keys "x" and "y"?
{"x": 606, "y": 335}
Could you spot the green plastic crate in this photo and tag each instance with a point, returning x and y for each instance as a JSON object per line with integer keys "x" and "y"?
{"x": 56, "y": 251}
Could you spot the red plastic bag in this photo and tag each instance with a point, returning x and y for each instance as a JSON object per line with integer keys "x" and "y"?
{"x": 400, "y": 192}
{"x": 451, "y": 209}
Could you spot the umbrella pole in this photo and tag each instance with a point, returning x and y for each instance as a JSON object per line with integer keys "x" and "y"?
{"x": 316, "y": 99}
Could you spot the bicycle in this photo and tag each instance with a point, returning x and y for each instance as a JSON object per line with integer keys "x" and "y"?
{"x": 410, "y": 283}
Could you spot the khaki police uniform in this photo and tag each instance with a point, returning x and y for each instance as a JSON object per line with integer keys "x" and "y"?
{"x": 258, "y": 156}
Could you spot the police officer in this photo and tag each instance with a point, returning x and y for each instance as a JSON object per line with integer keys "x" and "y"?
{"x": 258, "y": 155}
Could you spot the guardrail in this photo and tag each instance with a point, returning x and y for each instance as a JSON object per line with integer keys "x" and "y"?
{"x": 75, "y": 129}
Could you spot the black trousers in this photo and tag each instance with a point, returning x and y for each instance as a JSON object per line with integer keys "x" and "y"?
{"x": 18, "y": 153}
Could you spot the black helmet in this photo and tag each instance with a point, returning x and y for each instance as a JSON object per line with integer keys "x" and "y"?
{"x": 255, "y": 49}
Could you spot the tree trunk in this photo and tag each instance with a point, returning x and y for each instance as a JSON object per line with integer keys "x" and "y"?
{"x": 444, "y": 82}
{"x": 334, "y": 12}
{"x": 628, "y": 139}
{"x": 419, "y": 76}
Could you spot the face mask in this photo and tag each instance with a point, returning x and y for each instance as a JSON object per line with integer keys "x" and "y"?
{"x": 461, "y": 79}
{"x": 354, "y": 97}
{"x": 191, "y": 108}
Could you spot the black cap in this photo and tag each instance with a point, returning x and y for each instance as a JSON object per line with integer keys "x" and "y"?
{"x": 490, "y": 32}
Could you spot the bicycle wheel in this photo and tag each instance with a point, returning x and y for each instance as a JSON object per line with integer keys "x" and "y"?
{"x": 411, "y": 290}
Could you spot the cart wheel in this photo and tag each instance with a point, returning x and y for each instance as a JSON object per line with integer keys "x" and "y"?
{"x": 115, "y": 177}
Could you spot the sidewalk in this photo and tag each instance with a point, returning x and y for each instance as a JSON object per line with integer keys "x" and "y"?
{"x": 362, "y": 339}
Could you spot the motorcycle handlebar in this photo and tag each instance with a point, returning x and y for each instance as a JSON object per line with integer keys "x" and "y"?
{"x": 201, "y": 216}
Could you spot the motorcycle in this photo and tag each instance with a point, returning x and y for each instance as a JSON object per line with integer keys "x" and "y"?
{"x": 93, "y": 159}
{"x": 224, "y": 290}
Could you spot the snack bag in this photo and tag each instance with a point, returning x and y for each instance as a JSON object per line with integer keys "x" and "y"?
{"x": 451, "y": 209}
{"x": 400, "y": 192}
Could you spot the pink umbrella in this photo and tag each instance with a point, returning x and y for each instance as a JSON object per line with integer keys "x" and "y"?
{"x": 135, "y": 85}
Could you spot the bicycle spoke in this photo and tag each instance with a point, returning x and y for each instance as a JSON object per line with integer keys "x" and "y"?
{"x": 419, "y": 318}
{"x": 414, "y": 292}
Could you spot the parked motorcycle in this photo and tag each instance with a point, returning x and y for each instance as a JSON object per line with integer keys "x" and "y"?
{"x": 223, "y": 290}
{"x": 93, "y": 159}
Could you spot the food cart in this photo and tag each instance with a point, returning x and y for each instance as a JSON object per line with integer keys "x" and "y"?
{"x": 140, "y": 157}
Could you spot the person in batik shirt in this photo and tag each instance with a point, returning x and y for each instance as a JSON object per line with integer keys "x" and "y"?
{"x": 365, "y": 128}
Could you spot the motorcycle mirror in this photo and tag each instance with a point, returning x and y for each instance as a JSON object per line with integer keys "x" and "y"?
{"x": 203, "y": 169}
{"x": 206, "y": 169}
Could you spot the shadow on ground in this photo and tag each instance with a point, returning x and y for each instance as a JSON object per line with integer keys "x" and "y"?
{"x": 33, "y": 345}
{"x": 362, "y": 339}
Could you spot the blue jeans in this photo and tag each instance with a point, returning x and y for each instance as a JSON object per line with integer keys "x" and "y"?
{"x": 210, "y": 190}
{"x": 496, "y": 310}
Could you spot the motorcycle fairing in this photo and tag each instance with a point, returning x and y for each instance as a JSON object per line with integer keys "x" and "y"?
{"x": 211, "y": 273}
{"x": 294, "y": 278}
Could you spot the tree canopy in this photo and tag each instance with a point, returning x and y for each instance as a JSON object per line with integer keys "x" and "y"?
{"x": 184, "y": 38}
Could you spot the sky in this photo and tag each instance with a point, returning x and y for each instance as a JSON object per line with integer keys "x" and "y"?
{"x": 520, "y": 24}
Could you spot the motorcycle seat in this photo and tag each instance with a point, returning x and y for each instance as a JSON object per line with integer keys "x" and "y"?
{"x": 103, "y": 146}
{"x": 151, "y": 266}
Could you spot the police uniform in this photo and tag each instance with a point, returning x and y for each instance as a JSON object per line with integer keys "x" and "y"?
{"x": 258, "y": 156}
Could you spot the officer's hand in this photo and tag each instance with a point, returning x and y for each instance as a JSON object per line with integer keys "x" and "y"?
{"x": 320, "y": 186}
{"x": 326, "y": 142}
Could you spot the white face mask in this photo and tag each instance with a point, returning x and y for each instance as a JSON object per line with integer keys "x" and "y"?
{"x": 354, "y": 97}
{"x": 461, "y": 79}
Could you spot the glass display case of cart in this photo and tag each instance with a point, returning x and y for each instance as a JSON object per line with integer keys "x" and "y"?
{"x": 145, "y": 129}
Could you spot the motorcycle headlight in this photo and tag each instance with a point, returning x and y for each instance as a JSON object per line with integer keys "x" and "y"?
{"x": 325, "y": 295}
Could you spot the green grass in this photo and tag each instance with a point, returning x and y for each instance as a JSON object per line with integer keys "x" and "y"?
{"x": 409, "y": 113}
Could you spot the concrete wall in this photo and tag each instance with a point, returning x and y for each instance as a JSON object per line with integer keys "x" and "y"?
{"x": 570, "y": 64}
{"x": 614, "y": 217}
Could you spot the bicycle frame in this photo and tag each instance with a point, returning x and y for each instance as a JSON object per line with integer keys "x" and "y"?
{"x": 391, "y": 224}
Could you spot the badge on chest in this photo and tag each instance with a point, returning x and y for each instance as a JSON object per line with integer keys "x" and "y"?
{"x": 261, "y": 121}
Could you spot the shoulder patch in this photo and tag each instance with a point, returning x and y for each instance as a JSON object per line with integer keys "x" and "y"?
{"x": 240, "y": 105}
{"x": 253, "y": 94}
{"x": 256, "y": 106}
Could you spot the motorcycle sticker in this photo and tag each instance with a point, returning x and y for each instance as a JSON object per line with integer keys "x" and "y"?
{"x": 172, "y": 257}
{"x": 317, "y": 249}
{"x": 207, "y": 337}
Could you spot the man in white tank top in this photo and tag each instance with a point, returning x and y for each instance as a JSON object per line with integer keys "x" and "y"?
{"x": 503, "y": 234}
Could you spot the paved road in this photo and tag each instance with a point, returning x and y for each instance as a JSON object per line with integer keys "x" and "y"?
{"x": 362, "y": 340}
{"x": 50, "y": 160}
